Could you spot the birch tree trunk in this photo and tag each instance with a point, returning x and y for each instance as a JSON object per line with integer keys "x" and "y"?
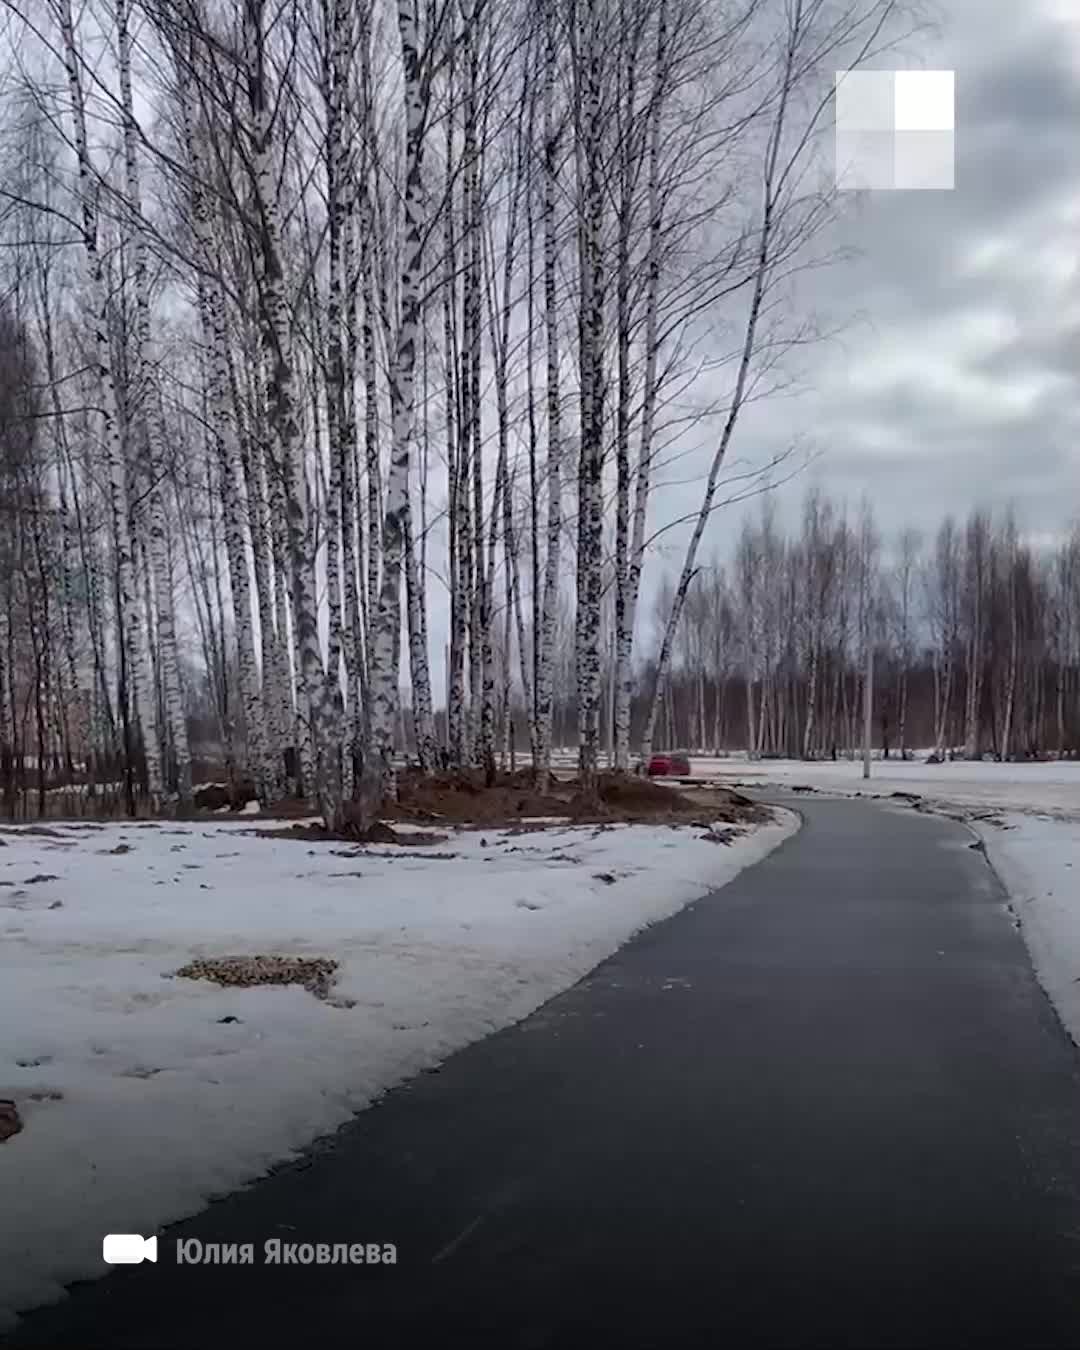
{"x": 592, "y": 338}
{"x": 384, "y": 697}
{"x": 153, "y": 430}
{"x": 131, "y": 636}
{"x": 773, "y": 179}
{"x": 226, "y": 442}
{"x": 316, "y": 707}
{"x": 624, "y": 683}
{"x": 423, "y": 716}
{"x": 627, "y": 118}
{"x": 548, "y": 623}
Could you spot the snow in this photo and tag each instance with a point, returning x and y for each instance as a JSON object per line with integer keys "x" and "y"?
{"x": 1037, "y": 858}
{"x": 1052, "y": 787}
{"x": 140, "y": 1103}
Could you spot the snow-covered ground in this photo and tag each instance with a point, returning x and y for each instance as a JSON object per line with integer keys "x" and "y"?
{"x": 1038, "y": 859}
{"x": 1028, "y": 816}
{"x": 142, "y": 1095}
{"x": 1050, "y": 788}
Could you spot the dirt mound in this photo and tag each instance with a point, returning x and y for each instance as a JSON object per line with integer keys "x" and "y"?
{"x": 288, "y": 808}
{"x": 378, "y": 833}
{"x": 583, "y": 807}
{"x": 725, "y": 804}
{"x": 624, "y": 794}
{"x": 212, "y": 797}
{"x": 511, "y": 801}
{"x": 216, "y": 796}
{"x": 464, "y": 799}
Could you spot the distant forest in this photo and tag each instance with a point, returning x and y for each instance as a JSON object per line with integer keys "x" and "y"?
{"x": 975, "y": 633}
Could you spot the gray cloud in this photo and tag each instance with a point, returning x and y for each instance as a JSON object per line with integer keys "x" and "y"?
{"x": 955, "y": 379}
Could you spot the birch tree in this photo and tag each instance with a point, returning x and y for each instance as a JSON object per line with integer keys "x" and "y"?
{"x": 131, "y": 643}
{"x": 385, "y": 649}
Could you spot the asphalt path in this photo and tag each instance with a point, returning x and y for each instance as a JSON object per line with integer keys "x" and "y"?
{"x": 826, "y": 1106}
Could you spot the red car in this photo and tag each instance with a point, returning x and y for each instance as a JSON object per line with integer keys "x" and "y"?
{"x": 672, "y": 764}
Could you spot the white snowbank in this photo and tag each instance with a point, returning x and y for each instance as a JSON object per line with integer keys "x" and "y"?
{"x": 1052, "y": 788}
{"x": 140, "y": 1103}
{"x": 1037, "y": 857}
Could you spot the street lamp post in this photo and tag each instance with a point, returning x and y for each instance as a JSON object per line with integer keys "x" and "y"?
{"x": 868, "y": 699}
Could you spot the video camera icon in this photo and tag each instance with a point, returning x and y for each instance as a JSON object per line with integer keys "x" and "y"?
{"x": 128, "y": 1249}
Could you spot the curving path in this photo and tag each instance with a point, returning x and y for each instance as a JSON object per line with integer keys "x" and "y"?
{"x": 828, "y": 1106}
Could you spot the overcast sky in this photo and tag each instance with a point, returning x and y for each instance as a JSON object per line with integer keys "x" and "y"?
{"x": 956, "y": 376}
{"x": 953, "y": 379}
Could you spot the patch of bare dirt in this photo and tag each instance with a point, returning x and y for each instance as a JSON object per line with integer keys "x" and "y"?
{"x": 511, "y": 803}
{"x": 316, "y": 974}
{"x": 379, "y": 833}
{"x": 289, "y": 808}
{"x": 726, "y": 806}
{"x": 464, "y": 799}
{"x": 623, "y": 793}
{"x": 217, "y": 796}
{"x": 722, "y": 835}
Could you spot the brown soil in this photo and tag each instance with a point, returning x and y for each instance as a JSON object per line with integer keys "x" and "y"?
{"x": 624, "y": 794}
{"x": 215, "y": 796}
{"x": 455, "y": 799}
{"x": 463, "y": 799}
{"x": 725, "y": 805}
{"x": 289, "y": 808}
{"x": 378, "y": 833}
{"x": 316, "y": 974}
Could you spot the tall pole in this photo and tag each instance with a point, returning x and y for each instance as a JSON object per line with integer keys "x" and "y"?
{"x": 868, "y": 699}
{"x": 446, "y": 659}
{"x": 611, "y": 705}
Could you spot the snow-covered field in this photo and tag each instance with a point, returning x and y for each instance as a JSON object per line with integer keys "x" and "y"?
{"x": 142, "y": 1095}
{"x": 1038, "y": 859}
{"x": 1028, "y": 816}
{"x": 1050, "y": 788}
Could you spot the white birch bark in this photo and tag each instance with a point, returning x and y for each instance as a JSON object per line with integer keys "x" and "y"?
{"x": 629, "y": 569}
{"x": 316, "y": 707}
{"x": 366, "y": 215}
{"x": 384, "y": 693}
{"x": 227, "y": 448}
{"x": 339, "y": 210}
{"x": 276, "y": 701}
{"x": 423, "y": 716}
{"x": 513, "y": 573}
{"x": 592, "y": 339}
{"x": 153, "y": 430}
{"x": 457, "y": 451}
{"x": 481, "y": 694}
{"x": 113, "y": 433}
{"x": 351, "y": 517}
{"x": 549, "y": 618}
{"x": 73, "y": 691}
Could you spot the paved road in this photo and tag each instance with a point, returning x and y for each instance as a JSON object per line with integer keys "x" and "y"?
{"x": 828, "y": 1106}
